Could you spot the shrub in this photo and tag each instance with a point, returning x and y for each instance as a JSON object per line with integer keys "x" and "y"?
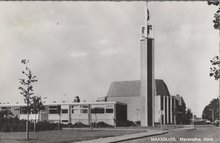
{"x": 79, "y": 125}
{"x": 16, "y": 125}
{"x": 137, "y": 123}
{"x": 69, "y": 125}
{"x": 103, "y": 124}
{"x": 125, "y": 123}
{"x": 12, "y": 125}
{"x": 43, "y": 126}
{"x": 100, "y": 125}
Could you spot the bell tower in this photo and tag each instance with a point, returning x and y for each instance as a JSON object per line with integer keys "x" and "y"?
{"x": 147, "y": 76}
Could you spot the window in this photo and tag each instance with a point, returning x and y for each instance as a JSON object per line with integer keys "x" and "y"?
{"x": 109, "y": 110}
{"x": 65, "y": 121}
{"x": 54, "y": 109}
{"x": 98, "y": 110}
{"x": 83, "y": 106}
{"x": 5, "y": 108}
{"x": 83, "y": 111}
{"x": 75, "y": 106}
{"x": 64, "y": 111}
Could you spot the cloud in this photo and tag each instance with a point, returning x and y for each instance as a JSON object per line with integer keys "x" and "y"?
{"x": 103, "y": 41}
{"x": 78, "y": 54}
{"x": 108, "y": 52}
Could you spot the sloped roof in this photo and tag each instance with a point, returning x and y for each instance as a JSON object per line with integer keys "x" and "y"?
{"x": 124, "y": 88}
{"x": 133, "y": 88}
{"x": 161, "y": 88}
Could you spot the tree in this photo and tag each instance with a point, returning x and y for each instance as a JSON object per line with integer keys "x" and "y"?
{"x": 26, "y": 89}
{"x": 36, "y": 106}
{"x": 180, "y": 112}
{"x": 207, "y": 113}
{"x": 59, "y": 110}
{"x": 216, "y": 15}
{"x": 211, "y": 111}
{"x": 215, "y": 70}
{"x": 189, "y": 116}
{"x": 214, "y": 2}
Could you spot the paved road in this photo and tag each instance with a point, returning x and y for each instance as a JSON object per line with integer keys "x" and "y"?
{"x": 202, "y": 134}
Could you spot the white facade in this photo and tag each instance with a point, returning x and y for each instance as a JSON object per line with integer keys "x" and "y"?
{"x": 157, "y": 110}
{"x": 164, "y": 109}
{"x": 147, "y": 81}
{"x": 144, "y": 106}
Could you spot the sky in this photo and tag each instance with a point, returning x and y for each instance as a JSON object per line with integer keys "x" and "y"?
{"x": 79, "y": 48}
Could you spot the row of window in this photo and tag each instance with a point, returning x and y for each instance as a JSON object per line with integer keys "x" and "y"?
{"x": 79, "y": 106}
{"x": 23, "y": 110}
{"x": 76, "y": 109}
{"x": 54, "y": 109}
{"x": 93, "y": 111}
{"x": 5, "y": 108}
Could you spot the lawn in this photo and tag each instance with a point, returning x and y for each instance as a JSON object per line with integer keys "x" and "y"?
{"x": 63, "y": 136}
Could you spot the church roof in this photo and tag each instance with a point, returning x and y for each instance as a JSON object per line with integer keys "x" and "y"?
{"x": 133, "y": 88}
{"x": 161, "y": 88}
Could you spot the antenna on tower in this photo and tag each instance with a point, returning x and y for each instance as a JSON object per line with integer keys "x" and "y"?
{"x": 145, "y": 30}
{"x": 147, "y": 20}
